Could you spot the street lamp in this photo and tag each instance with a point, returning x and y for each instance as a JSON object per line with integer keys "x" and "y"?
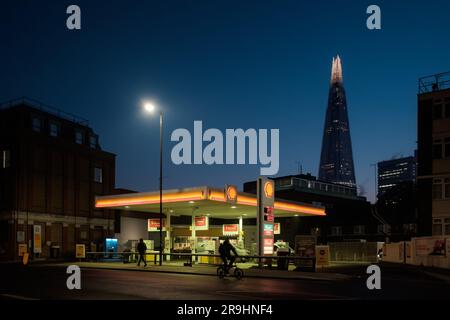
{"x": 150, "y": 108}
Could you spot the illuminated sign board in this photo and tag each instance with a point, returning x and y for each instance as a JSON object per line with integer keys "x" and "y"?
{"x": 231, "y": 194}
{"x": 268, "y": 246}
{"x": 265, "y": 215}
{"x": 201, "y": 222}
{"x": 268, "y": 229}
{"x": 37, "y": 240}
{"x": 276, "y": 228}
{"x": 153, "y": 225}
{"x": 230, "y": 229}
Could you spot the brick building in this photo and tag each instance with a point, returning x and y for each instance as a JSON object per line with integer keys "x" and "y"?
{"x": 51, "y": 169}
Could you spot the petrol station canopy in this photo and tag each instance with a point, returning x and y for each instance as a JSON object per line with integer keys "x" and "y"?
{"x": 204, "y": 200}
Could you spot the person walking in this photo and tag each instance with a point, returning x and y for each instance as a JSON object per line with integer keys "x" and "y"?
{"x": 142, "y": 248}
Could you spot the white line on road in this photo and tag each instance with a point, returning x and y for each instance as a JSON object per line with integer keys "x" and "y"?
{"x": 16, "y": 297}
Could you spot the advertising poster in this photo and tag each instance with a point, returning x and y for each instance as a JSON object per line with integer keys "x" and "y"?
{"x": 37, "y": 239}
{"x": 430, "y": 246}
{"x": 22, "y": 249}
{"x": 322, "y": 255}
{"x": 80, "y": 251}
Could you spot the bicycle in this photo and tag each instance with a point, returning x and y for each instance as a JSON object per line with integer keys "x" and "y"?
{"x": 238, "y": 272}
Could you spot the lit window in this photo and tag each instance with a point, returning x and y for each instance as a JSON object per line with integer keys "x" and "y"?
{"x": 98, "y": 175}
{"x": 79, "y": 137}
{"x": 54, "y": 129}
{"x": 6, "y": 159}
{"x": 36, "y": 124}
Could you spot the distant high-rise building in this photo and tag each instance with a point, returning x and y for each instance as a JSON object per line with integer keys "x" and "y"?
{"x": 336, "y": 159}
{"x": 393, "y": 172}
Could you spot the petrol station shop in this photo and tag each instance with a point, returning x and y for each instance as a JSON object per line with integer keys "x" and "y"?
{"x": 195, "y": 220}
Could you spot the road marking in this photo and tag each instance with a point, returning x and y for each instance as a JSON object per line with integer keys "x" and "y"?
{"x": 16, "y": 297}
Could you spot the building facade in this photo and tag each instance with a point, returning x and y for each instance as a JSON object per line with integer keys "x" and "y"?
{"x": 336, "y": 159}
{"x": 433, "y": 181}
{"x": 393, "y": 172}
{"x": 52, "y": 167}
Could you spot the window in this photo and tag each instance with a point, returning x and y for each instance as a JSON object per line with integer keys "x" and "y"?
{"x": 358, "y": 229}
{"x": 5, "y": 159}
{"x": 437, "y": 189}
{"x": 437, "y": 149}
{"x": 93, "y": 142}
{"x": 437, "y": 111}
{"x": 36, "y": 124}
{"x": 336, "y": 231}
{"x": 447, "y": 147}
{"x": 54, "y": 129}
{"x": 447, "y": 226}
{"x": 79, "y": 137}
{"x": 98, "y": 175}
{"x": 437, "y": 227}
{"x": 447, "y": 188}
{"x": 447, "y": 110}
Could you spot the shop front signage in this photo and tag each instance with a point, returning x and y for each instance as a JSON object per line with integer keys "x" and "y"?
{"x": 230, "y": 229}
{"x": 201, "y": 223}
{"x": 154, "y": 224}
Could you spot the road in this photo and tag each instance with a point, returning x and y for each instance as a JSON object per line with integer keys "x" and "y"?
{"x": 38, "y": 282}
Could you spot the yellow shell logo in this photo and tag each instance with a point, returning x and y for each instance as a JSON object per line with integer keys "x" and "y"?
{"x": 268, "y": 189}
{"x": 231, "y": 193}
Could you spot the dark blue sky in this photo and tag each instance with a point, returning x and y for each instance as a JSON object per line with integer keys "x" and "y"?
{"x": 258, "y": 64}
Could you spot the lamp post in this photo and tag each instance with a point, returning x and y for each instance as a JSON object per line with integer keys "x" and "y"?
{"x": 149, "y": 107}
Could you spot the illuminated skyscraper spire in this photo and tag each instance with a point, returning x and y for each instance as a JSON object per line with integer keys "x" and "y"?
{"x": 336, "y": 70}
{"x": 336, "y": 159}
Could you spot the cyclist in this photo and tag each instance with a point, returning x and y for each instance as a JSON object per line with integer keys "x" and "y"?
{"x": 225, "y": 250}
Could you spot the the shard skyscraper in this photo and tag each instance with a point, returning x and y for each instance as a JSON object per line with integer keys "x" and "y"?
{"x": 336, "y": 159}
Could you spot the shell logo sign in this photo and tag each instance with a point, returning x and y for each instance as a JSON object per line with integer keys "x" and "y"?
{"x": 231, "y": 193}
{"x": 268, "y": 189}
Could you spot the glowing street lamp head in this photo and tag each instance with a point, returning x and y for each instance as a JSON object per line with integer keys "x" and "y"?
{"x": 149, "y": 107}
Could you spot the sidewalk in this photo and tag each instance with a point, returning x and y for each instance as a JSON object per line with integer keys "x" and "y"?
{"x": 209, "y": 270}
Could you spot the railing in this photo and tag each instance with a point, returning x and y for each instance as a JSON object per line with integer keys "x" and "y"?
{"x": 45, "y": 108}
{"x": 189, "y": 257}
{"x": 434, "y": 82}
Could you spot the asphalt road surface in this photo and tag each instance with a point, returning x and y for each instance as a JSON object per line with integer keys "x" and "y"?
{"x": 38, "y": 282}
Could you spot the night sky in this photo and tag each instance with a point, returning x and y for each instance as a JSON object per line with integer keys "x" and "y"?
{"x": 231, "y": 64}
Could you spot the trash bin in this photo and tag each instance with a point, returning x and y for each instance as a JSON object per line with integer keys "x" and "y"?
{"x": 282, "y": 263}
